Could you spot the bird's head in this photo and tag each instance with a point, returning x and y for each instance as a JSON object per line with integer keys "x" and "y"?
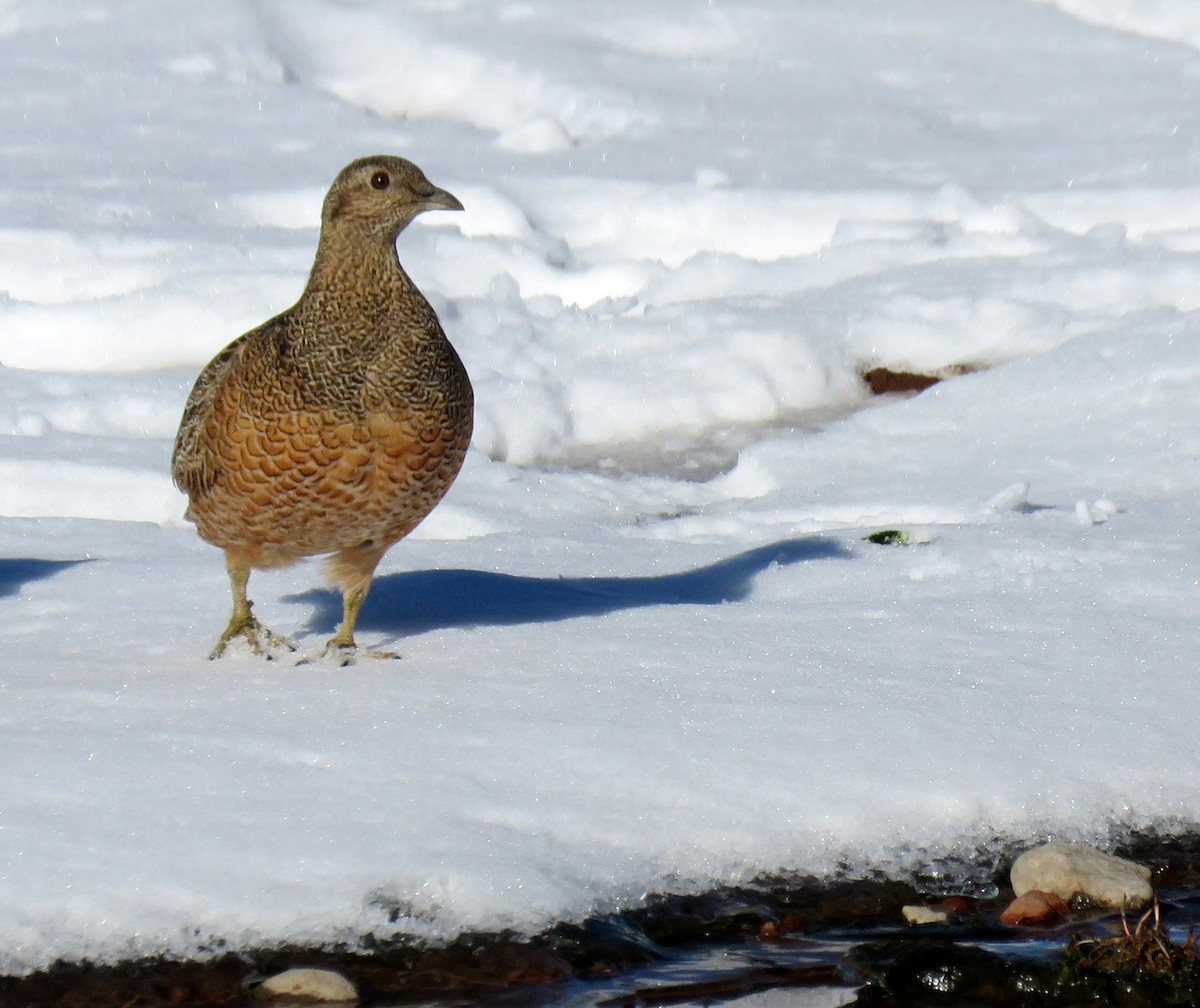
{"x": 381, "y": 195}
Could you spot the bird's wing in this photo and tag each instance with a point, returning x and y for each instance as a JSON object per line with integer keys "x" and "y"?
{"x": 195, "y": 461}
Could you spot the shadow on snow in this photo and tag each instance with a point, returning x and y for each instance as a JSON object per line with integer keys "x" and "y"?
{"x": 416, "y": 601}
{"x": 16, "y": 572}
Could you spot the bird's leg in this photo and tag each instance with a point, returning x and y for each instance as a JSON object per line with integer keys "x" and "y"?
{"x": 352, "y": 570}
{"x": 242, "y": 622}
{"x": 352, "y": 601}
{"x": 342, "y": 645}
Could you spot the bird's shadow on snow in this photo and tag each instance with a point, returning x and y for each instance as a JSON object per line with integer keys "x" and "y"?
{"x": 16, "y": 572}
{"x": 416, "y": 601}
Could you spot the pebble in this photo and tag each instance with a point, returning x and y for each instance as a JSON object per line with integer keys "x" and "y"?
{"x": 1070, "y": 870}
{"x": 1035, "y": 909}
{"x": 307, "y": 986}
{"x": 926, "y": 915}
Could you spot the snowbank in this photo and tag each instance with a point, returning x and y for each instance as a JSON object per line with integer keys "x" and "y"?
{"x": 646, "y": 645}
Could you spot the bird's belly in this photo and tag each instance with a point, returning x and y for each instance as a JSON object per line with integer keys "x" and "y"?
{"x": 284, "y": 493}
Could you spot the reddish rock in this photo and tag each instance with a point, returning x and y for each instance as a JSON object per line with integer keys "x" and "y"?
{"x": 957, "y": 905}
{"x": 1035, "y": 909}
{"x": 774, "y": 930}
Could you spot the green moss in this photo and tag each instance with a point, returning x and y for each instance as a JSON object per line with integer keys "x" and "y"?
{"x": 890, "y": 537}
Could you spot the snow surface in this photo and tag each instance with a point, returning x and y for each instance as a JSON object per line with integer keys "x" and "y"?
{"x": 646, "y": 646}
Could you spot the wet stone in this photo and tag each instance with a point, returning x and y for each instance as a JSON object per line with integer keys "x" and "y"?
{"x": 302, "y": 986}
{"x": 922, "y": 915}
{"x": 1035, "y": 909}
{"x": 1076, "y": 871}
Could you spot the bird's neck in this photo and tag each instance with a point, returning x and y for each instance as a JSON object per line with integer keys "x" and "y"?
{"x": 359, "y": 287}
{"x": 351, "y": 266}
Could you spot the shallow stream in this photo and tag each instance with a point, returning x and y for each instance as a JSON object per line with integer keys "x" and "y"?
{"x": 972, "y": 964}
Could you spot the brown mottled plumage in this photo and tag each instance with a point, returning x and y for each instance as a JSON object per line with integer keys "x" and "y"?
{"x": 337, "y": 426}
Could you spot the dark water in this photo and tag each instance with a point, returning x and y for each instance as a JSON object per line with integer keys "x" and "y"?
{"x": 743, "y": 973}
{"x": 975, "y": 964}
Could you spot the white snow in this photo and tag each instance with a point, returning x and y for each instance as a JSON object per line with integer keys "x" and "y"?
{"x": 646, "y": 646}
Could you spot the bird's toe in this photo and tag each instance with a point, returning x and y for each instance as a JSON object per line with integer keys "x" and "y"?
{"x": 260, "y": 641}
{"x": 343, "y": 655}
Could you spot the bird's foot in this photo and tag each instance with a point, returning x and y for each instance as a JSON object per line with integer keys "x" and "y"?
{"x": 342, "y": 654}
{"x": 261, "y": 641}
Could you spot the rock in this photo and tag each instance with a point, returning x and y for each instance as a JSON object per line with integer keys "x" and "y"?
{"x": 926, "y": 915}
{"x": 1035, "y": 909}
{"x": 1069, "y": 870}
{"x": 774, "y": 930}
{"x": 945, "y": 911}
{"x": 307, "y": 986}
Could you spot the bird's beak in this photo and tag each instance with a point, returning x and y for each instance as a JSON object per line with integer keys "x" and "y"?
{"x": 439, "y": 199}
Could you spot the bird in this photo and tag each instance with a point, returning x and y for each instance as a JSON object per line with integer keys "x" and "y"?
{"x": 337, "y": 426}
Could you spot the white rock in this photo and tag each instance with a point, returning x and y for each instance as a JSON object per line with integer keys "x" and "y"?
{"x": 925, "y": 915}
{"x": 1069, "y": 870}
{"x": 307, "y": 986}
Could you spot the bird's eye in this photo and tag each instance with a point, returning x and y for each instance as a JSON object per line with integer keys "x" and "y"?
{"x": 380, "y": 180}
